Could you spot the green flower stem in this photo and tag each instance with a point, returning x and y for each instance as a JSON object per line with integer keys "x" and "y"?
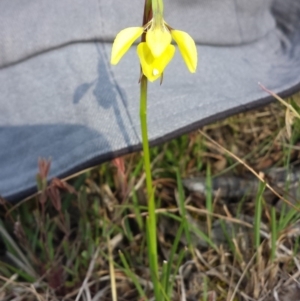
{"x": 157, "y": 7}
{"x": 151, "y": 219}
{"x": 143, "y": 116}
{"x": 152, "y": 241}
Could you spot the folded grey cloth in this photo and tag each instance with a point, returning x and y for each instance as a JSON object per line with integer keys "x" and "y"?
{"x": 61, "y": 98}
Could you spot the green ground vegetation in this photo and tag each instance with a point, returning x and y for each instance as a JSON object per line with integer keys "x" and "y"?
{"x": 84, "y": 238}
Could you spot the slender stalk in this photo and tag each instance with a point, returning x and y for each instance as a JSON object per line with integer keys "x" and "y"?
{"x": 152, "y": 239}
{"x": 144, "y": 128}
{"x": 151, "y": 220}
{"x": 157, "y": 8}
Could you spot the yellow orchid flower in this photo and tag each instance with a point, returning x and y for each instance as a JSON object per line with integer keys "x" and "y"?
{"x": 156, "y": 53}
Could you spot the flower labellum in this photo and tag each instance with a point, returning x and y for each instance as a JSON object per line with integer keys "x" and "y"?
{"x": 152, "y": 66}
{"x": 156, "y": 53}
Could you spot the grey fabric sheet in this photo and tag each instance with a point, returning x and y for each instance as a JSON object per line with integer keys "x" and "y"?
{"x": 60, "y": 98}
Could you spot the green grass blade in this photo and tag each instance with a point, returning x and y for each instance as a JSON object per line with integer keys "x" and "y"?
{"x": 171, "y": 257}
{"x": 258, "y": 214}
{"x": 137, "y": 211}
{"x": 132, "y": 276}
{"x": 273, "y": 233}
{"x": 181, "y": 199}
{"x": 209, "y": 198}
{"x": 14, "y": 247}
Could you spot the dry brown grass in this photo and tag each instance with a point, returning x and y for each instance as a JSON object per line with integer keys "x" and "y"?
{"x": 71, "y": 234}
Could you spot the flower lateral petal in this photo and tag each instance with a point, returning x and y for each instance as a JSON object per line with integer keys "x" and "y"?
{"x": 187, "y": 48}
{"x": 124, "y": 39}
{"x": 153, "y": 67}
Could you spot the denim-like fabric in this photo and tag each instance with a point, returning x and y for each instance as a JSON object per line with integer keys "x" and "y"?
{"x": 60, "y": 98}
{"x": 30, "y": 27}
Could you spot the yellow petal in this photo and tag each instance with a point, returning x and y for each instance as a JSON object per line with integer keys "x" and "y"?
{"x": 158, "y": 38}
{"x": 153, "y": 67}
{"x": 123, "y": 41}
{"x": 187, "y": 48}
